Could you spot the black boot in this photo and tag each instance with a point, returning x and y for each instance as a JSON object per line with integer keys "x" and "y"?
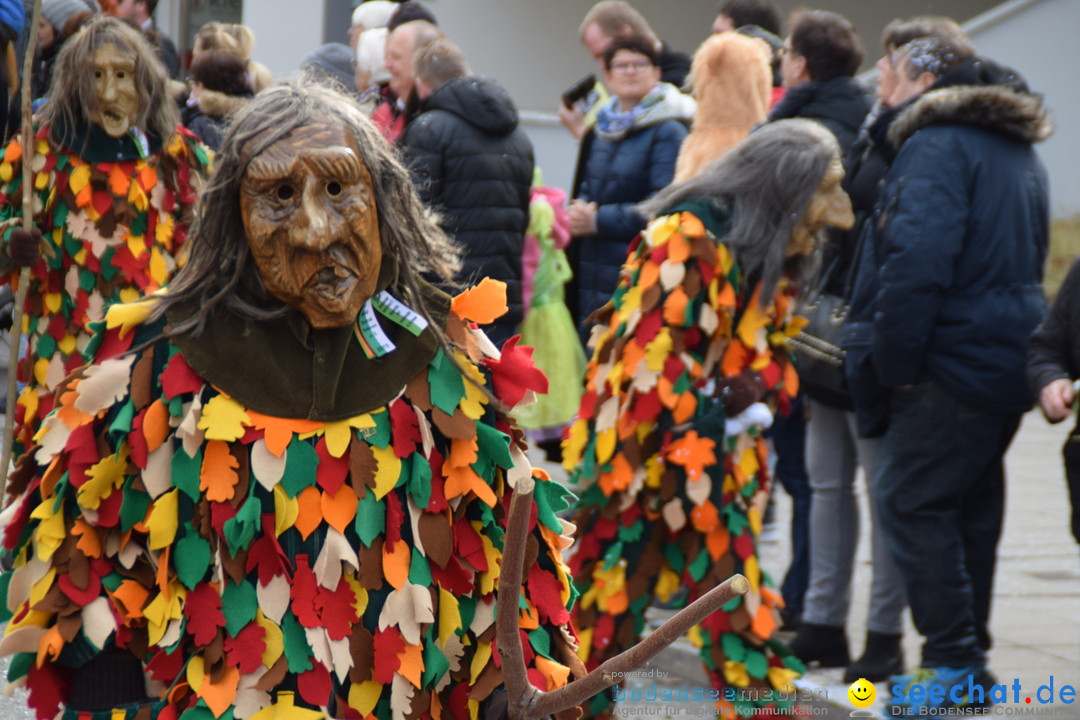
{"x": 825, "y": 645}
{"x": 882, "y": 658}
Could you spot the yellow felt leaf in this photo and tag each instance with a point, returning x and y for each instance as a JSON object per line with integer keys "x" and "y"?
{"x": 388, "y": 468}
{"x": 483, "y": 303}
{"x": 50, "y": 532}
{"x": 449, "y": 615}
{"x": 68, "y": 345}
{"x": 196, "y": 674}
{"x": 104, "y": 476}
{"x": 136, "y": 245}
{"x": 780, "y": 678}
{"x": 474, "y": 401}
{"x": 661, "y": 229}
{"x": 159, "y": 269}
{"x": 161, "y": 610}
{"x": 128, "y": 316}
{"x": 164, "y": 520}
{"x": 360, "y": 595}
{"x": 480, "y": 660}
{"x": 129, "y": 294}
{"x": 748, "y": 463}
{"x": 657, "y": 351}
{"x": 735, "y": 673}
{"x": 52, "y": 302}
{"x": 223, "y": 419}
{"x": 605, "y": 444}
{"x": 41, "y": 588}
{"x": 752, "y": 572}
{"x": 79, "y": 178}
{"x": 574, "y": 444}
{"x": 164, "y": 231}
{"x": 138, "y": 198}
{"x": 6, "y": 172}
{"x": 286, "y": 510}
{"x": 363, "y": 697}
{"x": 273, "y": 637}
{"x": 490, "y": 578}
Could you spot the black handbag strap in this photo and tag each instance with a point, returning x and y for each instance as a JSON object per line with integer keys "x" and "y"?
{"x": 827, "y": 275}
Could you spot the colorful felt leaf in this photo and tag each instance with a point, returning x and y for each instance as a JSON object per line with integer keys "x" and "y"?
{"x": 482, "y": 303}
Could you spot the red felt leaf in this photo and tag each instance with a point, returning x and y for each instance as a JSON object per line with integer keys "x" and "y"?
{"x": 459, "y": 702}
{"x": 303, "y": 591}
{"x": 108, "y": 512}
{"x": 102, "y": 201}
{"x": 204, "y": 615}
{"x": 179, "y": 378}
{"x": 266, "y": 553}
{"x": 137, "y": 441}
{"x": 48, "y": 685}
{"x": 744, "y": 545}
{"x": 246, "y": 649}
{"x": 388, "y": 643}
{"x": 453, "y": 578}
{"x": 770, "y": 375}
{"x": 646, "y": 407}
{"x": 220, "y": 513}
{"x": 331, "y": 472}
{"x": 537, "y": 678}
{"x": 649, "y": 326}
{"x": 544, "y": 591}
{"x": 395, "y": 520}
{"x": 164, "y": 667}
{"x": 335, "y": 608}
{"x": 514, "y": 374}
{"x": 605, "y": 628}
{"x": 315, "y": 686}
{"x": 467, "y": 545}
{"x": 438, "y": 484}
{"x": 405, "y": 427}
{"x": 673, "y": 367}
{"x": 588, "y": 404}
{"x": 112, "y": 344}
{"x": 57, "y": 327}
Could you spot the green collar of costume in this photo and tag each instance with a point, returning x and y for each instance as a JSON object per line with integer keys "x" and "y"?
{"x": 286, "y": 368}
{"x": 717, "y": 220}
{"x": 94, "y": 145}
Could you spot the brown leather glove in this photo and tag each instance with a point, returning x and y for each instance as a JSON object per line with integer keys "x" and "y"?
{"x": 740, "y": 391}
{"x": 24, "y": 246}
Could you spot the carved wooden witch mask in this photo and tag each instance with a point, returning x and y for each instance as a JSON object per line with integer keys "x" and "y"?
{"x": 308, "y": 207}
{"x": 116, "y": 106}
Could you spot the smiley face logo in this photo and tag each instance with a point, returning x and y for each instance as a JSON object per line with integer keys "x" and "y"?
{"x": 862, "y": 693}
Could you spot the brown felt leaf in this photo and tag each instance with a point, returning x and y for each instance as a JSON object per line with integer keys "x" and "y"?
{"x": 458, "y": 426}
{"x": 273, "y": 676}
{"x": 362, "y": 647}
{"x": 437, "y": 537}
{"x": 371, "y": 570}
{"x": 490, "y": 678}
{"x": 141, "y": 378}
{"x": 418, "y": 391}
{"x": 362, "y": 467}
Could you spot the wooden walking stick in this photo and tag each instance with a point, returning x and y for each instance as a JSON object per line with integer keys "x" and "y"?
{"x": 26, "y": 139}
{"x": 524, "y": 701}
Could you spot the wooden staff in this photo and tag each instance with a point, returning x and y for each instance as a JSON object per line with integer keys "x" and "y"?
{"x": 26, "y": 138}
{"x": 524, "y": 701}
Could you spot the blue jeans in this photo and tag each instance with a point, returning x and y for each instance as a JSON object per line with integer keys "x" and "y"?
{"x": 941, "y": 501}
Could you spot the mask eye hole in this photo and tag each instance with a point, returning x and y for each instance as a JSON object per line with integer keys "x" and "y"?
{"x": 284, "y": 192}
{"x": 333, "y": 189}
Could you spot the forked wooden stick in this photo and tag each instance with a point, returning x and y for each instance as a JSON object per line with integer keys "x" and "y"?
{"x": 15, "y": 334}
{"x": 524, "y": 701}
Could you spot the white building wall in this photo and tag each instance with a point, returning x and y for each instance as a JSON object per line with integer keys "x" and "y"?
{"x": 1038, "y": 39}
{"x": 285, "y": 31}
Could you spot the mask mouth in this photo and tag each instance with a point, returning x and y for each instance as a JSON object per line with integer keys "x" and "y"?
{"x": 331, "y": 284}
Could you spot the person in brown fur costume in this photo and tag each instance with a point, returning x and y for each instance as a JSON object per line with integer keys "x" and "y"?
{"x": 732, "y": 82}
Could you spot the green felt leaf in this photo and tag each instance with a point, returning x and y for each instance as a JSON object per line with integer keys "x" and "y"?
{"x": 699, "y": 566}
{"x": 121, "y": 424}
{"x": 447, "y": 384}
{"x": 733, "y": 604}
{"x": 185, "y": 472}
{"x": 541, "y": 642}
{"x": 630, "y": 533}
{"x": 239, "y": 603}
{"x": 733, "y": 646}
{"x": 419, "y": 570}
{"x": 20, "y": 665}
{"x": 756, "y": 664}
{"x": 297, "y": 652}
{"x": 467, "y": 609}
{"x": 551, "y": 498}
{"x": 735, "y": 519}
{"x": 87, "y": 280}
{"x": 5, "y": 580}
{"x": 133, "y": 507}
{"x": 300, "y": 463}
{"x": 495, "y": 444}
{"x": 139, "y": 223}
{"x": 435, "y": 663}
{"x": 192, "y": 559}
{"x": 46, "y": 346}
{"x": 370, "y": 520}
{"x": 380, "y": 435}
{"x": 61, "y": 212}
{"x": 419, "y": 479}
{"x": 200, "y": 711}
{"x": 613, "y": 555}
{"x": 240, "y": 529}
{"x": 112, "y": 581}
{"x": 108, "y": 267}
{"x": 491, "y": 526}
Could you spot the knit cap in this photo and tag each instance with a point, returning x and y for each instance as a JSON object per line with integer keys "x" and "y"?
{"x": 332, "y": 60}
{"x": 58, "y": 12}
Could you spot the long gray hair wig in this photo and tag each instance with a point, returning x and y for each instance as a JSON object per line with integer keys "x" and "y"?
{"x": 220, "y": 264}
{"x": 765, "y": 183}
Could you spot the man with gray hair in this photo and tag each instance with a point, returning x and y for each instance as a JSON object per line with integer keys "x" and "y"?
{"x": 401, "y": 104}
{"x": 471, "y": 161}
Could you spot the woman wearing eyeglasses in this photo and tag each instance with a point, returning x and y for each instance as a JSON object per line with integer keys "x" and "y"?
{"x": 638, "y": 134}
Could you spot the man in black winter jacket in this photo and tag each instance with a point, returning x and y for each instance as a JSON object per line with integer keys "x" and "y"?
{"x": 960, "y": 238}
{"x": 472, "y": 162}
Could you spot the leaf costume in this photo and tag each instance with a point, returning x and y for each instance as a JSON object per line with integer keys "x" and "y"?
{"x": 672, "y": 490}
{"x": 116, "y": 223}
{"x": 335, "y": 538}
